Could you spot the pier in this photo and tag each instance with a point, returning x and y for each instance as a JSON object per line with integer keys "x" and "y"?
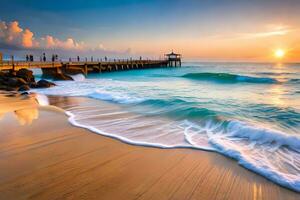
{"x": 70, "y": 67}
{"x": 174, "y": 59}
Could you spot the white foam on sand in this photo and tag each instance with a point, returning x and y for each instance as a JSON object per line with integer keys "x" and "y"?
{"x": 270, "y": 153}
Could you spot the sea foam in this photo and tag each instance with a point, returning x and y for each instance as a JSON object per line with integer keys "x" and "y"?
{"x": 273, "y": 154}
{"x": 42, "y": 99}
{"x": 178, "y": 113}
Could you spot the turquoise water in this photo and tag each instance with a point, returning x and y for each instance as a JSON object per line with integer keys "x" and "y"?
{"x": 249, "y": 112}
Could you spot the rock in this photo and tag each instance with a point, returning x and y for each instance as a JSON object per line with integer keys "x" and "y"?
{"x": 7, "y": 88}
{"x": 26, "y": 74}
{"x": 4, "y": 78}
{"x": 62, "y": 77}
{"x": 12, "y": 82}
{"x": 44, "y": 84}
{"x": 24, "y": 88}
{"x": 2, "y": 81}
{"x": 11, "y": 73}
{"x": 21, "y": 81}
{"x": 2, "y": 74}
{"x": 9, "y": 82}
{"x": 33, "y": 85}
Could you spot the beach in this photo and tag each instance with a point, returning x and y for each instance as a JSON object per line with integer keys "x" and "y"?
{"x": 44, "y": 157}
{"x": 160, "y": 100}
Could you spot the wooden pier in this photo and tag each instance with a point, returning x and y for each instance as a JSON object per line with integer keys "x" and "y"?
{"x": 49, "y": 68}
{"x": 71, "y": 67}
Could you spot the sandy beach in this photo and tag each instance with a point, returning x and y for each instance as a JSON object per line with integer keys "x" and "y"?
{"x": 44, "y": 157}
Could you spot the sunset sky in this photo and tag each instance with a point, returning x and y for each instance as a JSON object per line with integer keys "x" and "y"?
{"x": 215, "y": 30}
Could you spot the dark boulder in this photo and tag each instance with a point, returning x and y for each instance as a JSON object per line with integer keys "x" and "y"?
{"x": 24, "y": 88}
{"x": 21, "y": 81}
{"x": 2, "y": 74}
{"x": 33, "y": 85}
{"x": 62, "y": 77}
{"x": 44, "y": 84}
{"x": 11, "y": 73}
{"x": 26, "y": 74}
{"x": 3, "y": 80}
{"x": 7, "y": 88}
{"x": 14, "y": 82}
{"x": 24, "y": 94}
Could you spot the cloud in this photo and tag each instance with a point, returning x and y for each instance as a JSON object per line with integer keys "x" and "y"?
{"x": 69, "y": 44}
{"x": 270, "y": 30}
{"x": 27, "y": 39}
{"x": 274, "y": 31}
{"x": 101, "y": 47}
{"x": 11, "y": 34}
{"x": 14, "y": 37}
{"x": 18, "y": 41}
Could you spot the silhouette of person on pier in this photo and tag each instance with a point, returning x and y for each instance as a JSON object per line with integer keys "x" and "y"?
{"x": 44, "y": 57}
{"x": 31, "y": 58}
{"x": 27, "y": 58}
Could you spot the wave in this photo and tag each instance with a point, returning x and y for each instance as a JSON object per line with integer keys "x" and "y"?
{"x": 253, "y": 147}
{"x": 295, "y": 80}
{"x": 274, "y": 73}
{"x": 78, "y": 77}
{"x": 114, "y": 97}
{"x": 228, "y": 78}
{"x": 176, "y": 108}
{"x": 42, "y": 99}
{"x": 180, "y": 121}
{"x": 271, "y": 153}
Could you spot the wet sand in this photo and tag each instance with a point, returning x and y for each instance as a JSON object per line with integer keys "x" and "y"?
{"x": 44, "y": 157}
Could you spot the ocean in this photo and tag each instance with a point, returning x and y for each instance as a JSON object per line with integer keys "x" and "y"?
{"x": 249, "y": 112}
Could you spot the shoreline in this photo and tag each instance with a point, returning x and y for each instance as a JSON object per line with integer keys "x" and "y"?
{"x": 52, "y": 159}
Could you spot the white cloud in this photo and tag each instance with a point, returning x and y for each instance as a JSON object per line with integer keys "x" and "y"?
{"x": 270, "y": 30}
{"x": 101, "y": 47}
{"x": 49, "y": 42}
{"x": 27, "y": 39}
{"x": 273, "y": 30}
{"x": 12, "y": 35}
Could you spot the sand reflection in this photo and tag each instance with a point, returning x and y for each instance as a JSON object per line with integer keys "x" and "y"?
{"x": 24, "y": 107}
{"x": 26, "y": 116}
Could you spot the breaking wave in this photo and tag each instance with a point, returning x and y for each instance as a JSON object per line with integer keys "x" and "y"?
{"x": 253, "y": 147}
{"x": 228, "y": 78}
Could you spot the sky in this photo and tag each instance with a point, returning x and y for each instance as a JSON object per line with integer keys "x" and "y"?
{"x": 208, "y": 30}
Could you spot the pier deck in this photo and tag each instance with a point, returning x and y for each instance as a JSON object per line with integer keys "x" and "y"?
{"x": 84, "y": 67}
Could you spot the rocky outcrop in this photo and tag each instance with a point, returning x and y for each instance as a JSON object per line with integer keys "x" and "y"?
{"x": 26, "y": 74}
{"x": 44, "y": 84}
{"x": 21, "y": 80}
{"x": 23, "y": 88}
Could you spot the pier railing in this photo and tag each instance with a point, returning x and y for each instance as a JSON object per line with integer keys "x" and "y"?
{"x": 114, "y": 65}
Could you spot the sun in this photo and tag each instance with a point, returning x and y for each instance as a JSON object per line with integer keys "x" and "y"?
{"x": 279, "y": 53}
